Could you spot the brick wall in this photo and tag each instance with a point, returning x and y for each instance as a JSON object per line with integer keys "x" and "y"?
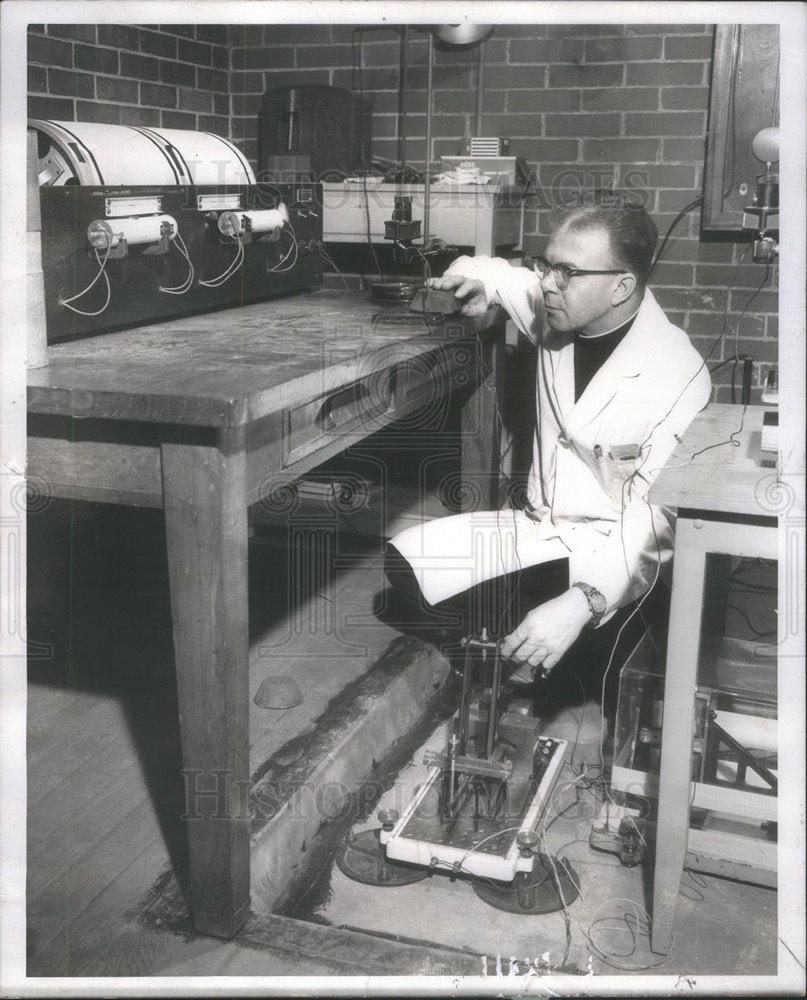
{"x": 169, "y": 75}
{"x": 622, "y": 105}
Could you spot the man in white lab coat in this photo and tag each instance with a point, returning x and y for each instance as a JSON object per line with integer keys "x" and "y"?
{"x": 617, "y": 383}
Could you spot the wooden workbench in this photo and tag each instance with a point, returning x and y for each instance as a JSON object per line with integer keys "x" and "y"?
{"x": 206, "y": 415}
{"x": 726, "y": 500}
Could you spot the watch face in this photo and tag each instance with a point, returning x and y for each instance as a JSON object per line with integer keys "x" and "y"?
{"x": 598, "y": 603}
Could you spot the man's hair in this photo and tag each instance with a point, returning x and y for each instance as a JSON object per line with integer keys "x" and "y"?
{"x": 633, "y": 233}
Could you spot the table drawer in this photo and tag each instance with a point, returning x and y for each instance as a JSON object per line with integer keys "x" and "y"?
{"x": 418, "y": 385}
{"x": 424, "y": 384}
{"x": 359, "y": 407}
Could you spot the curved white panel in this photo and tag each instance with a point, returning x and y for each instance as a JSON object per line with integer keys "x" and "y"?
{"x": 94, "y": 153}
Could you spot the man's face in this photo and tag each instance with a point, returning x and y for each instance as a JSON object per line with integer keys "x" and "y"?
{"x": 586, "y": 302}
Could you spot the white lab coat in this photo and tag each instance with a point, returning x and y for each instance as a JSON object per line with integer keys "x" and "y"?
{"x": 589, "y": 504}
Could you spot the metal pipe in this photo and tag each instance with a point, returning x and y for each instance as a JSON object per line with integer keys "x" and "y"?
{"x": 495, "y": 693}
{"x": 480, "y": 63}
{"x": 404, "y": 86}
{"x": 427, "y": 188}
{"x": 465, "y": 702}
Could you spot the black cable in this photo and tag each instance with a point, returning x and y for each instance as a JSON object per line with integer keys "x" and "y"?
{"x": 716, "y": 343}
{"x": 731, "y": 439}
{"x": 757, "y": 633}
{"x": 742, "y": 357}
{"x": 330, "y": 261}
{"x": 737, "y": 360}
{"x": 726, "y": 361}
{"x": 673, "y": 224}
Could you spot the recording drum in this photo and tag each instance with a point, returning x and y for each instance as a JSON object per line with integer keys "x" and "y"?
{"x": 92, "y": 153}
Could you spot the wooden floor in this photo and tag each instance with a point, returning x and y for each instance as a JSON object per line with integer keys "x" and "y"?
{"x": 103, "y": 758}
{"x": 104, "y": 761}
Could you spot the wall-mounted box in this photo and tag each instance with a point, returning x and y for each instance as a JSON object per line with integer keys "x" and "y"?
{"x": 744, "y": 99}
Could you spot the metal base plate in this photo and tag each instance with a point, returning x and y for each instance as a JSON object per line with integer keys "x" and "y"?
{"x": 361, "y": 857}
{"x": 392, "y": 291}
{"x": 533, "y": 892}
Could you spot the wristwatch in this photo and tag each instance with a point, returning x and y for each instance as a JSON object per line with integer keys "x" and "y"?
{"x": 596, "y": 602}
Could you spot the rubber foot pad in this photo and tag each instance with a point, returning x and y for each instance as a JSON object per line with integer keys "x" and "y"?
{"x": 278, "y": 692}
{"x": 361, "y": 857}
{"x": 533, "y": 892}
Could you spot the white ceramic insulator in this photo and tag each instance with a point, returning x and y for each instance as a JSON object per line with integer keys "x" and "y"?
{"x": 103, "y": 233}
{"x": 268, "y": 219}
{"x": 262, "y": 221}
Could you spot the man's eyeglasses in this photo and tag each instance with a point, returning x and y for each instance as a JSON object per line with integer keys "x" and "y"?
{"x": 562, "y": 273}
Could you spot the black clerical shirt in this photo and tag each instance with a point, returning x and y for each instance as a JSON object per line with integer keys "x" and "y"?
{"x": 590, "y": 353}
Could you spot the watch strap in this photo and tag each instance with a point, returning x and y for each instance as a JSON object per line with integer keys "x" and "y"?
{"x": 596, "y": 601}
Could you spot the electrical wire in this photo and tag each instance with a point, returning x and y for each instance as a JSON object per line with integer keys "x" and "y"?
{"x": 636, "y": 610}
{"x": 101, "y": 273}
{"x": 673, "y": 224}
{"x": 331, "y": 263}
{"x": 546, "y": 853}
{"x": 293, "y": 247}
{"x": 731, "y": 440}
{"x": 695, "y": 893}
{"x": 427, "y": 271}
{"x": 627, "y": 485}
{"x": 757, "y": 633}
{"x": 486, "y": 375}
{"x": 727, "y": 361}
{"x": 642, "y": 928}
{"x": 188, "y": 282}
{"x": 738, "y": 357}
{"x": 368, "y": 226}
{"x": 550, "y": 855}
{"x": 234, "y": 265}
{"x": 717, "y": 341}
{"x": 637, "y": 921}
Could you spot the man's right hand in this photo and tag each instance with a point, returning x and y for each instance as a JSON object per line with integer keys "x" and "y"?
{"x": 469, "y": 291}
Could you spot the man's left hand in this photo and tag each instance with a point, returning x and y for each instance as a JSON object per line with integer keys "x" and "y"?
{"x": 548, "y": 631}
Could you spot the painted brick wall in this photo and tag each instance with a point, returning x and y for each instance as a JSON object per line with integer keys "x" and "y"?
{"x": 622, "y": 105}
{"x": 169, "y": 75}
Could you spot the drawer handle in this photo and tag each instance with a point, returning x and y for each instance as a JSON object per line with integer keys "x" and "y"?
{"x": 350, "y": 405}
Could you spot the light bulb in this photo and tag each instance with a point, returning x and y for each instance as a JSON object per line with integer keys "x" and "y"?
{"x": 765, "y": 145}
{"x": 462, "y": 34}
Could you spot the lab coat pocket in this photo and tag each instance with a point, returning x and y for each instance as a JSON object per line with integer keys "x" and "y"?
{"x": 618, "y": 476}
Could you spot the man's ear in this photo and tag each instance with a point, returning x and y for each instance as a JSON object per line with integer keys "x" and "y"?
{"x": 624, "y": 288}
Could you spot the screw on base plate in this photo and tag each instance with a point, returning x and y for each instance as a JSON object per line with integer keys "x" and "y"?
{"x": 551, "y": 885}
{"x": 361, "y": 857}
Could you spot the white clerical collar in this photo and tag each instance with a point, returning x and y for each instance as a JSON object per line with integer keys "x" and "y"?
{"x": 596, "y": 336}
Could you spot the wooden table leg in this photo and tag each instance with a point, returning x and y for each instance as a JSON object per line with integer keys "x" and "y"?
{"x": 696, "y": 540}
{"x": 204, "y": 490}
{"x": 675, "y": 786}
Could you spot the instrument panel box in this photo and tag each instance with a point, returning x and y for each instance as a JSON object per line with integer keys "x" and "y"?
{"x": 149, "y": 282}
